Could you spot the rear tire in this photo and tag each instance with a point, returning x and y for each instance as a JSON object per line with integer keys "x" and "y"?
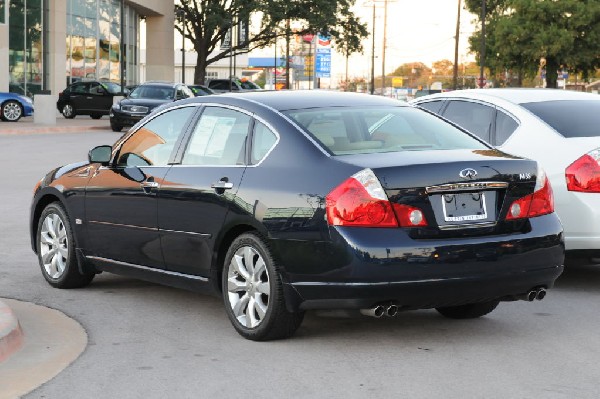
{"x": 68, "y": 111}
{"x": 253, "y": 292}
{"x": 469, "y": 311}
{"x": 56, "y": 250}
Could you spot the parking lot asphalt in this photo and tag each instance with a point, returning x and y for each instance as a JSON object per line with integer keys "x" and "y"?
{"x": 151, "y": 341}
{"x": 78, "y": 124}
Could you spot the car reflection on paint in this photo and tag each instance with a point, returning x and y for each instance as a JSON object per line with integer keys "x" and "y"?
{"x": 283, "y": 202}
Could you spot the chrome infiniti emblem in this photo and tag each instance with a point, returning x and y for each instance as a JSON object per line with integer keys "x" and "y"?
{"x": 468, "y": 173}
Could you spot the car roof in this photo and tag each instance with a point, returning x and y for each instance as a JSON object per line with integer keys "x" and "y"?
{"x": 518, "y": 96}
{"x": 159, "y": 83}
{"x": 304, "y": 99}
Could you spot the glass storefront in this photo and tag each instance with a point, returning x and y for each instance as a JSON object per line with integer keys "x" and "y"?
{"x": 25, "y": 48}
{"x": 3, "y": 11}
{"x": 94, "y": 41}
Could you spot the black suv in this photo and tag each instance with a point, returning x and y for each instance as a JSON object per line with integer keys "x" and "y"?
{"x": 144, "y": 99}
{"x": 237, "y": 85}
{"x": 87, "y": 98}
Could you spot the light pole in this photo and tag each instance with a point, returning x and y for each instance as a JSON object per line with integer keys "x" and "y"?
{"x": 455, "y": 69}
{"x": 181, "y": 15}
{"x": 482, "y": 53}
{"x": 373, "y": 54}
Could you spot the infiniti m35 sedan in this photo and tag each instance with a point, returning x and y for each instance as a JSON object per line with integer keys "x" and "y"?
{"x": 281, "y": 202}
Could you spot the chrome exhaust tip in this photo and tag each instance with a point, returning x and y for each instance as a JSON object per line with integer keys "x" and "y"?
{"x": 391, "y": 311}
{"x": 531, "y": 295}
{"x": 375, "y": 311}
{"x": 541, "y": 294}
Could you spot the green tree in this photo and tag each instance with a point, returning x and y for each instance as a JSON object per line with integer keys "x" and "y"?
{"x": 521, "y": 35}
{"x": 207, "y": 22}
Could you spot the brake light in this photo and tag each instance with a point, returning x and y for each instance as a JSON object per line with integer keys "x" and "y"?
{"x": 583, "y": 175}
{"x": 361, "y": 201}
{"x": 541, "y": 202}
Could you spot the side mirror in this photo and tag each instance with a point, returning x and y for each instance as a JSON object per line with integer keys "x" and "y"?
{"x": 100, "y": 154}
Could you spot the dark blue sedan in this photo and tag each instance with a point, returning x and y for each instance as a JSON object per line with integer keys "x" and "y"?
{"x": 13, "y": 106}
{"x": 281, "y": 202}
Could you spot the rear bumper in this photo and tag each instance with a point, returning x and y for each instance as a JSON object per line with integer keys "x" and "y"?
{"x": 364, "y": 267}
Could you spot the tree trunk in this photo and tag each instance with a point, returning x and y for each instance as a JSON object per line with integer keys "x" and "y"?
{"x": 552, "y": 66}
{"x": 200, "y": 70}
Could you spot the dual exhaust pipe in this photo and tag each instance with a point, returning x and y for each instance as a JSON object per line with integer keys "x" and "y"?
{"x": 536, "y": 293}
{"x": 378, "y": 311}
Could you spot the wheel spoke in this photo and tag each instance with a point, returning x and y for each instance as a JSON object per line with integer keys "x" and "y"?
{"x": 48, "y": 256}
{"x": 264, "y": 288}
{"x": 259, "y": 268}
{"x": 45, "y": 238}
{"x": 235, "y": 285}
{"x": 53, "y": 269}
{"x": 260, "y": 307}
{"x": 63, "y": 251}
{"x": 49, "y": 226}
{"x": 60, "y": 264}
{"x": 240, "y": 306}
{"x": 249, "y": 260}
{"x": 239, "y": 267}
{"x": 251, "y": 320}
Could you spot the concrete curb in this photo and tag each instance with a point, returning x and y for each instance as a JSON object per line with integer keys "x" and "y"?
{"x": 11, "y": 335}
{"x": 51, "y": 129}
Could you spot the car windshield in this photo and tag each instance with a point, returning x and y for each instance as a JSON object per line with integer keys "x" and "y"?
{"x": 579, "y": 118}
{"x": 153, "y": 92}
{"x": 362, "y": 130}
{"x": 247, "y": 85}
{"x": 112, "y": 88}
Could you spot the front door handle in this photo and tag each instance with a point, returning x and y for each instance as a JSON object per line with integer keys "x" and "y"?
{"x": 222, "y": 184}
{"x": 149, "y": 184}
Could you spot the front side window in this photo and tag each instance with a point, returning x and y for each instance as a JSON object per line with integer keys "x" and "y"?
{"x": 97, "y": 89}
{"x": 219, "y": 138}
{"x": 362, "y": 130}
{"x": 154, "y": 143}
{"x": 474, "y": 117}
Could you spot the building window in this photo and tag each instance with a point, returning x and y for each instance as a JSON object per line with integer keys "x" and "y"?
{"x": 94, "y": 41}
{"x": 2, "y": 11}
{"x": 25, "y": 50}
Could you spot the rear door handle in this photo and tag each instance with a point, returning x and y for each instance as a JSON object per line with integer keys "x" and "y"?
{"x": 223, "y": 185}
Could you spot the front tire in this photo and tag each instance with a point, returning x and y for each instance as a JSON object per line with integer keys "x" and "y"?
{"x": 11, "y": 111}
{"x": 68, "y": 111}
{"x": 253, "y": 292}
{"x": 115, "y": 127}
{"x": 469, "y": 311}
{"x": 56, "y": 250}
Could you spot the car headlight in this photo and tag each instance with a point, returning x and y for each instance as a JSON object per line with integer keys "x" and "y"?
{"x": 117, "y": 106}
{"x": 26, "y": 99}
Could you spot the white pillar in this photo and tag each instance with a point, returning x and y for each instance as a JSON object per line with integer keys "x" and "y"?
{"x": 4, "y": 77}
{"x": 160, "y": 59}
{"x": 57, "y": 51}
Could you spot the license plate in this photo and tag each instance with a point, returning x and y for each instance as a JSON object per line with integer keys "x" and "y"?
{"x": 464, "y": 207}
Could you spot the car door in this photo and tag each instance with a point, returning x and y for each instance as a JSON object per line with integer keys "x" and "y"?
{"x": 100, "y": 100}
{"x": 78, "y": 95}
{"x": 121, "y": 199}
{"x": 197, "y": 193}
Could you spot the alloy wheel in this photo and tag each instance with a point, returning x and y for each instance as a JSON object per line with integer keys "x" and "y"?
{"x": 248, "y": 287}
{"x": 12, "y": 111}
{"x": 67, "y": 110}
{"x": 54, "y": 245}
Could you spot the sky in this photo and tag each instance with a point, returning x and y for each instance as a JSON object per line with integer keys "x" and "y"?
{"x": 417, "y": 30}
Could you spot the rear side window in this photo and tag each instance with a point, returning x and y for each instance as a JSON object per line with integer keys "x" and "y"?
{"x": 569, "y": 118}
{"x": 356, "y": 130}
{"x": 505, "y": 127}
{"x": 476, "y": 118}
{"x": 262, "y": 142}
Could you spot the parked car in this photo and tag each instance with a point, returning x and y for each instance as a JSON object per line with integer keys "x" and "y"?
{"x": 142, "y": 100}
{"x": 282, "y": 202}
{"x": 558, "y": 128}
{"x": 93, "y": 98}
{"x": 13, "y": 106}
{"x": 237, "y": 85}
{"x": 201, "y": 90}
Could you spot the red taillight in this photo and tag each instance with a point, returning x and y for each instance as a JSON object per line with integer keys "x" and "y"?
{"x": 541, "y": 202}
{"x": 583, "y": 175}
{"x": 361, "y": 201}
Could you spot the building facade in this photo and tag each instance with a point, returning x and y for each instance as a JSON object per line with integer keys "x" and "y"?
{"x": 47, "y": 44}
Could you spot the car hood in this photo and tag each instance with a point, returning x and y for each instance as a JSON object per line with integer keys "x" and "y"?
{"x": 146, "y": 102}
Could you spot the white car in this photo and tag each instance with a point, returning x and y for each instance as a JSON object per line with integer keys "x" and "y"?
{"x": 560, "y": 129}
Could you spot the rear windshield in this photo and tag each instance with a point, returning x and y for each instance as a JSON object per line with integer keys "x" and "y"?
{"x": 569, "y": 118}
{"x": 362, "y": 130}
{"x": 153, "y": 92}
{"x": 112, "y": 88}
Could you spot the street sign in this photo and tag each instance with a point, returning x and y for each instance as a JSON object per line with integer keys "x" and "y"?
{"x": 323, "y": 57}
{"x": 481, "y": 82}
{"x": 397, "y": 82}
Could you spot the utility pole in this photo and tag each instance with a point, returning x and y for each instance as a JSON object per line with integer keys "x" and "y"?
{"x": 123, "y": 47}
{"x": 373, "y": 54}
{"x": 482, "y": 52}
{"x": 287, "y": 54}
{"x": 455, "y": 71}
{"x": 383, "y": 84}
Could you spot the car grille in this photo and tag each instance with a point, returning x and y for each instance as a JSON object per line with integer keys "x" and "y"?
{"x": 135, "y": 109}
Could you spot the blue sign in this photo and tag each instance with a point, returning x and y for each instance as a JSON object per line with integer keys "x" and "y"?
{"x": 323, "y": 63}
